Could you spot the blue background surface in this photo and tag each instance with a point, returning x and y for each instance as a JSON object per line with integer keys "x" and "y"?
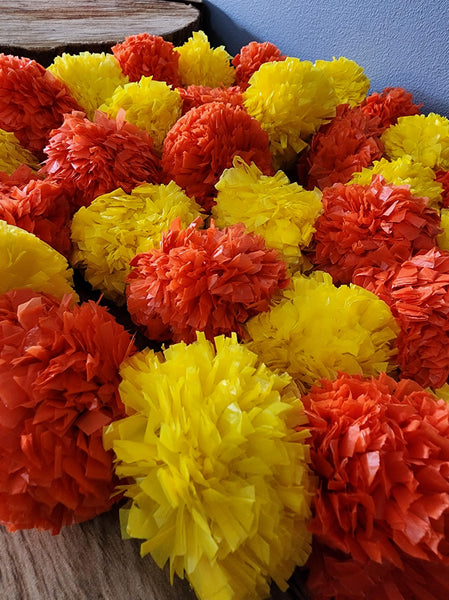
{"x": 398, "y": 42}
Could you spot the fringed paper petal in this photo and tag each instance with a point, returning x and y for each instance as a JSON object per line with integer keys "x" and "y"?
{"x": 251, "y": 57}
{"x": 12, "y": 155}
{"x": 216, "y": 474}
{"x": 196, "y": 95}
{"x": 387, "y": 107}
{"x": 348, "y": 78}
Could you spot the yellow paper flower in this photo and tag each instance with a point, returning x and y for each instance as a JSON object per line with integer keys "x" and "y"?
{"x": 199, "y": 64}
{"x": 318, "y": 329}
{"x": 90, "y": 77}
{"x": 290, "y": 99}
{"x": 424, "y": 138}
{"x": 443, "y": 238}
{"x": 281, "y": 212}
{"x": 151, "y": 105}
{"x": 348, "y": 78}
{"x": 220, "y": 481}
{"x": 115, "y": 227}
{"x": 13, "y": 155}
{"x": 28, "y": 262}
{"x": 442, "y": 392}
{"x": 403, "y": 171}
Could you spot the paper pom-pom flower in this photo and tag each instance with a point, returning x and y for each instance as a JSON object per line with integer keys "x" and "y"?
{"x": 59, "y": 376}
{"x": 207, "y": 280}
{"x": 380, "y": 450}
{"x": 90, "y": 77}
{"x": 32, "y": 101}
{"x": 290, "y": 99}
{"x": 417, "y": 292}
{"x": 374, "y": 225}
{"x": 117, "y": 226}
{"x": 387, "y": 107}
{"x": 317, "y": 330}
{"x": 283, "y": 213}
{"x": 340, "y": 148}
{"x": 151, "y": 105}
{"x": 12, "y": 155}
{"x": 196, "y": 95}
{"x": 203, "y": 143}
{"x": 251, "y": 57}
{"x": 41, "y": 207}
{"x": 148, "y": 55}
{"x": 28, "y": 262}
{"x": 425, "y": 138}
{"x": 403, "y": 171}
{"x": 348, "y": 78}
{"x": 220, "y": 485}
{"x": 96, "y": 158}
{"x": 199, "y": 64}
{"x": 442, "y": 177}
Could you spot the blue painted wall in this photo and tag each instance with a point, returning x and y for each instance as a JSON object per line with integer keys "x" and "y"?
{"x": 397, "y": 42}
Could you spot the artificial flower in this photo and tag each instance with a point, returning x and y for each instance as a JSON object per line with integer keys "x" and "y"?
{"x": 59, "y": 376}
{"x": 151, "y": 105}
{"x": 403, "y": 171}
{"x": 283, "y": 213}
{"x": 290, "y": 99}
{"x": 317, "y": 330}
{"x": 95, "y": 158}
{"x": 195, "y": 95}
{"x": 32, "y": 101}
{"x": 12, "y": 155}
{"x": 251, "y": 57}
{"x": 117, "y": 226}
{"x": 442, "y": 177}
{"x": 147, "y": 55}
{"x": 340, "y": 148}
{"x": 203, "y": 143}
{"x": 216, "y": 474}
{"x": 374, "y": 225}
{"x": 199, "y": 64}
{"x": 90, "y": 77}
{"x": 417, "y": 292}
{"x": 348, "y": 78}
{"x": 207, "y": 280}
{"x": 387, "y": 107}
{"x": 28, "y": 262}
{"x": 425, "y": 138}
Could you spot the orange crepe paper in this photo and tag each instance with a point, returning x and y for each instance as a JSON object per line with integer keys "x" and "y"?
{"x": 417, "y": 292}
{"x": 349, "y": 142}
{"x": 196, "y": 95}
{"x": 41, "y": 207}
{"x": 203, "y": 143}
{"x": 207, "y": 280}
{"x": 373, "y": 225}
{"x": 59, "y": 377}
{"x": 380, "y": 448}
{"x": 94, "y": 158}
{"x": 443, "y": 178}
{"x": 32, "y": 101}
{"x": 392, "y": 103}
{"x": 251, "y": 57}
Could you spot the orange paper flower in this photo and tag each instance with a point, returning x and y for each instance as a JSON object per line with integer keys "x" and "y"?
{"x": 392, "y": 103}
{"x": 196, "y": 95}
{"x": 251, "y": 57}
{"x": 148, "y": 55}
{"x": 59, "y": 376}
{"x": 32, "y": 101}
{"x": 95, "y": 158}
{"x": 372, "y": 225}
{"x": 204, "y": 142}
{"x": 208, "y": 280}
{"x": 443, "y": 177}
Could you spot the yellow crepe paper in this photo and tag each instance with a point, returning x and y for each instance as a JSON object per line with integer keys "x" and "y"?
{"x": 424, "y": 138}
{"x": 90, "y": 77}
{"x": 12, "y": 155}
{"x": 149, "y": 104}
{"x": 443, "y": 238}
{"x": 318, "y": 329}
{"x": 403, "y": 171}
{"x": 281, "y": 212}
{"x": 290, "y": 99}
{"x": 220, "y": 481}
{"x": 348, "y": 78}
{"x": 28, "y": 262}
{"x": 199, "y": 64}
{"x": 115, "y": 227}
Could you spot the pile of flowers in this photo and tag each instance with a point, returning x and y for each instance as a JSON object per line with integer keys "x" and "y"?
{"x": 279, "y": 241}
